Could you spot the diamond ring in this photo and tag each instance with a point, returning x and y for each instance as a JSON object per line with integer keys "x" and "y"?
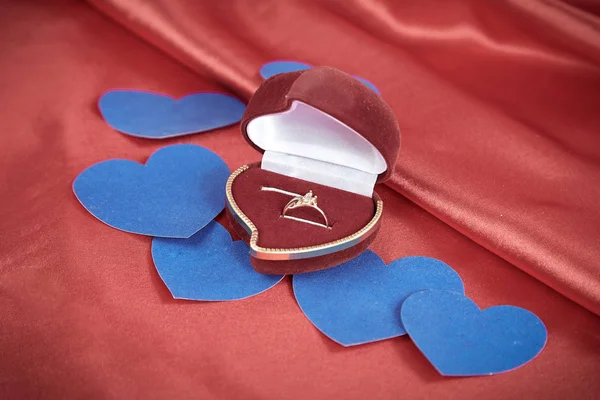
{"x": 308, "y": 200}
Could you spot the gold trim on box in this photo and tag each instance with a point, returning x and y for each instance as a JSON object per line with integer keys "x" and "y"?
{"x": 264, "y": 253}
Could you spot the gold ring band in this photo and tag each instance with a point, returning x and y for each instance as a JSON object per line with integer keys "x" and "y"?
{"x": 299, "y": 201}
{"x": 310, "y": 201}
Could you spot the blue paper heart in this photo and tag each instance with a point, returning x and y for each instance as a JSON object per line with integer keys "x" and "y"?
{"x": 179, "y": 190}
{"x": 459, "y": 339}
{"x": 359, "y": 301}
{"x": 157, "y": 116}
{"x": 279, "y": 67}
{"x": 208, "y": 266}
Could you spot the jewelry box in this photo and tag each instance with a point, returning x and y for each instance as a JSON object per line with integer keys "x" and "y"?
{"x": 310, "y": 204}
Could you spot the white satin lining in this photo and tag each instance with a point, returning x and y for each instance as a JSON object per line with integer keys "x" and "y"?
{"x": 324, "y": 173}
{"x": 306, "y": 143}
{"x": 308, "y": 132}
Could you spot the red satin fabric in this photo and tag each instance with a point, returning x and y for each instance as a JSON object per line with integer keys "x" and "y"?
{"x": 498, "y": 175}
{"x": 498, "y": 105}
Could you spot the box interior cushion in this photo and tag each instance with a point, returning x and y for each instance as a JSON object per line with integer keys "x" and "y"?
{"x": 347, "y": 212}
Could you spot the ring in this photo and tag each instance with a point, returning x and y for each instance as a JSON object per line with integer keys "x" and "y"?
{"x": 308, "y": 200}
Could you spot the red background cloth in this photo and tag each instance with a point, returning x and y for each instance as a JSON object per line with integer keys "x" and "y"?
{"x": 498, "y": 177}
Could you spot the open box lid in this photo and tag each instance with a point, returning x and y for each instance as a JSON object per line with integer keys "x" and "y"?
{"x": 327, "y": 115}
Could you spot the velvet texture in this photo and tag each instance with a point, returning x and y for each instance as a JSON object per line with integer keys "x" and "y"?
{"x": 337, "y": 94}
{"x": 498, "y": 106}
{"x": 302, "y": 265}
{"x": 345, "y": 98}
{"x": 346, "y": 212}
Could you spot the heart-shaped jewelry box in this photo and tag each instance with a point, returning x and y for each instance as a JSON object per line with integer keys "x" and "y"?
{"x": 326, "y": 140}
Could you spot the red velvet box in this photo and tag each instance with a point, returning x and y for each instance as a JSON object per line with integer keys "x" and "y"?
{"x": 323, "y": 131}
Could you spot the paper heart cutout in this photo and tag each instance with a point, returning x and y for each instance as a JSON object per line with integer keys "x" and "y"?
{"x": 209, "y": 266}
{"x": 359, "y": 301}
{"x": 278, "y": 67}
{"x": 459, "y": 339}
{"x": 158, "y": 116}
{"x": 179, "y": 190}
